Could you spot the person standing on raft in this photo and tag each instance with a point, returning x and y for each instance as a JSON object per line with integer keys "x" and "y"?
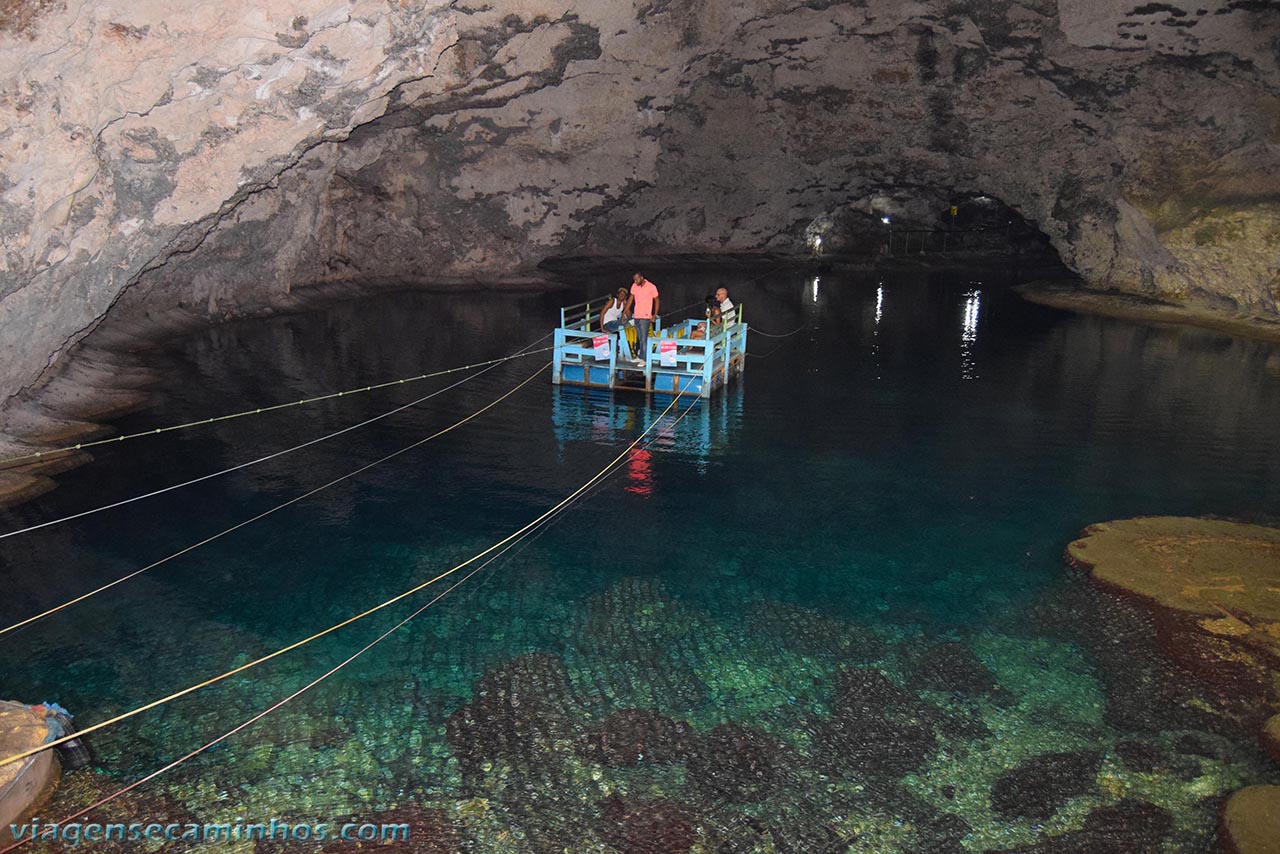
{"x": 642, "y": 305}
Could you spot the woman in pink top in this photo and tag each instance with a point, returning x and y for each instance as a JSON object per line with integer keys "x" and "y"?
{"x": 643, "y": 308}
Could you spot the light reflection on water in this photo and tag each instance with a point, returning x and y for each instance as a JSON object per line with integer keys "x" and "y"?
{"x": 969, "y": 333}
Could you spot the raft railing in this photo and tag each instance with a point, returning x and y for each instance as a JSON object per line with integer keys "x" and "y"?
{"x": 708, "y": 362}
{"x": 713, "y": 360}
{"x": 577, "y": 316}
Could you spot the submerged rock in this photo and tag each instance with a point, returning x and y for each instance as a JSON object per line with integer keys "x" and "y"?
{"x": 741, "y": 765}
{"x": 1206, "y": 746}
{"x": 950, "y": 666}
{"x": 876, "y": 745}
{"x": 1037, "y": 787}
{"x": 877, "y": 727}
{"x": 632, "y": 736}
{"x": 936, "y": 831}
{"x": 808, "y": 632}
{"x": 638, "y": 632}
{"x": 1143, "y": 689}
{"x": 87, "y": 787}
{"x": 1251, "y": 821}
{"x": 519, "y": 712}
{"x": 798, "y": 831}
{"x": 1128, "y": 827}
{"x": 1146, "y": 757}
{"x": 866, "y": 692}
{"x": 1271, "y": 737}
{"x": 1218, "y": 616}
{"x": 647, "y": 827}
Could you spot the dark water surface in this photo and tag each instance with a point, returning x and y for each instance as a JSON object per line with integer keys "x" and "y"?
{"x": 824, "y": 611}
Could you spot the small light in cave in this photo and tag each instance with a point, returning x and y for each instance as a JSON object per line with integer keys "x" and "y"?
{"x": 885, "y": 220}
{"x": 815, "y": 243}
{"x": 816, "y": 280}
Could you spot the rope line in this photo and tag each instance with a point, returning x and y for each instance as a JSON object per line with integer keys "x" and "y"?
{"x": 7, "y": 462}
{"x": 783, "y": 335}
{"x": 265, "y": 513}
{"x": 612, "y": 466}
{"x": 245, "y": 465}
{"x": 360, "y": 616}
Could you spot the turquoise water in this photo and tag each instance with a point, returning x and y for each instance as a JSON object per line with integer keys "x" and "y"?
{"x": 826, "y": 611}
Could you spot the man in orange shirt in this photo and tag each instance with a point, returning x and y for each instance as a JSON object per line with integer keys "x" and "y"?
{"x": 642, "y": 305}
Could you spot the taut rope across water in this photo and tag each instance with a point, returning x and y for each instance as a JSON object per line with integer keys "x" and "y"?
{"x": 510, "y": 538}
{"x": 8, "y": 462}
{"x": 612, "y": 466}
{"x": 266, "y": 513}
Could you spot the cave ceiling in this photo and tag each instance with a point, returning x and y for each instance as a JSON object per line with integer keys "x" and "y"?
{"x": 188, "y": 163}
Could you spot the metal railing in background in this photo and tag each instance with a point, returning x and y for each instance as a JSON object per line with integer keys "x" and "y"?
{"x": 906, "y": 241}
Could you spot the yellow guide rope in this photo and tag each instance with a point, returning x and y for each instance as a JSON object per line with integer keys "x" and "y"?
{"x": 284, "y": 701}
{"x": 398, "y": 597}
{"x": 7, "y": 462}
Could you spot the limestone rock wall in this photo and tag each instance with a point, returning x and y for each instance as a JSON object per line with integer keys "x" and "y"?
{"x": 129, "y": 130}
{"x": 199, "y": 161}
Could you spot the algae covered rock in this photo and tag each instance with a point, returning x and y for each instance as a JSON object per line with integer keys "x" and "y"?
{"x": 632, "y": 629}
{"x": 1215, "y": 584}
{"x": 1221, "y": 573}
{"x": 90, "y": 786}
{"x": 876, "y": 745}
{"x": 1129, "y": 825}
{"x": 1251, "y": 821}
{"x": 809, "y": 632}
{"x": 21, "y": 729}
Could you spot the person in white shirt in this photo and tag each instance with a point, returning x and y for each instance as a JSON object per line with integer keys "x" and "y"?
{"x": 726, "y": 306}
{"x": 614, "y": 320}
{"x": 611, "y": 319}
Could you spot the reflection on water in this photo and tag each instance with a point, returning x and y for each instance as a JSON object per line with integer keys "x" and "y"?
{"x": 826, "y": 608}
{"x": 640, "y": 472}
{"x": 969, "y": 333}
{"x": 694, "y": 427}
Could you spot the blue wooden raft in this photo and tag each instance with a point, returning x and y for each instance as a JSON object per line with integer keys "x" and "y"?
{"x": 697, "y": 366}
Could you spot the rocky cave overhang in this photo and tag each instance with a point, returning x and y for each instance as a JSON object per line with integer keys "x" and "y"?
{"x": 171, "y": 165}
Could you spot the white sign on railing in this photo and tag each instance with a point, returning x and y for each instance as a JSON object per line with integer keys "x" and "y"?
{"x": 601, "y": 345}
{"x": 667, "y": 352}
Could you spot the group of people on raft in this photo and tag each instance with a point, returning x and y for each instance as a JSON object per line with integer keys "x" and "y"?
{"x": 639, "y": 307}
